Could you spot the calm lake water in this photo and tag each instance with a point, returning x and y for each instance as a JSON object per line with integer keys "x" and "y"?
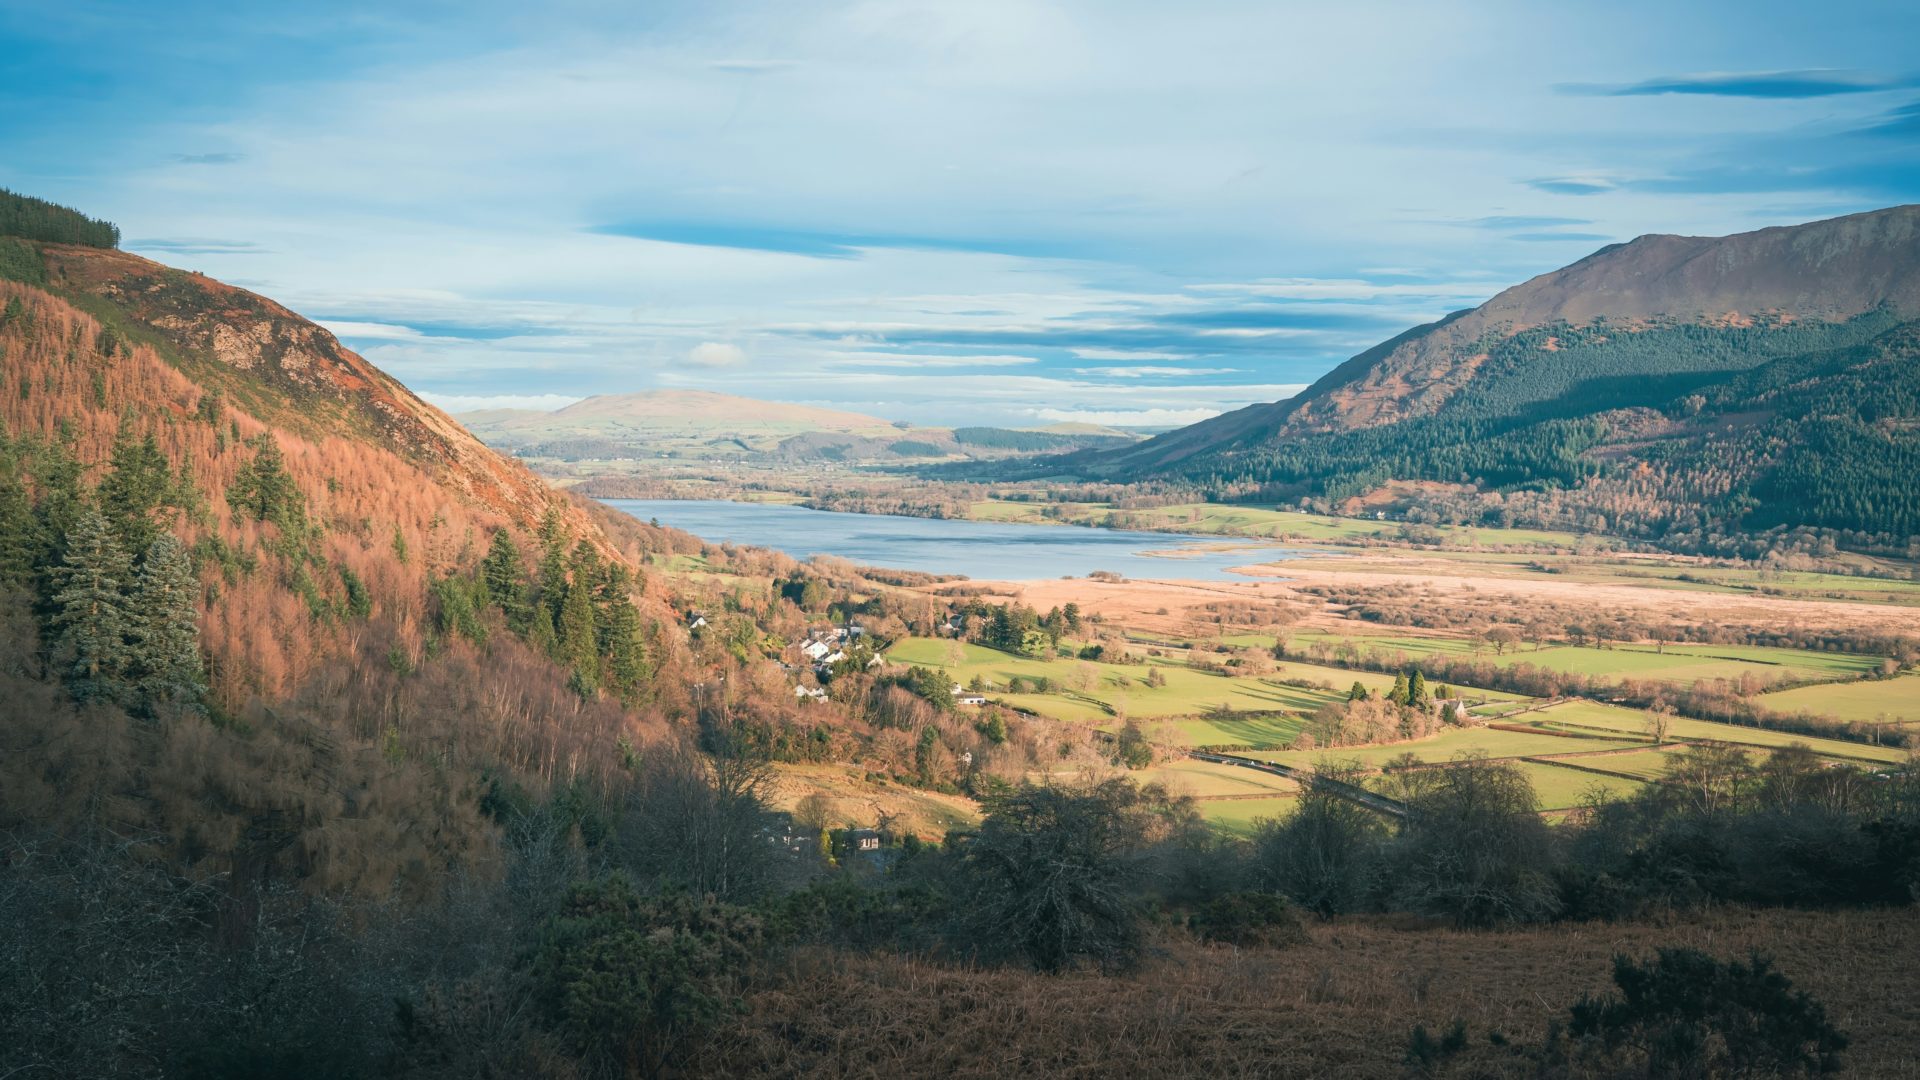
{"x": 983, "y": 550}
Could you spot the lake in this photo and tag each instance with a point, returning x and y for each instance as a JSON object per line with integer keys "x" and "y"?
{"x": 983, "y": 550}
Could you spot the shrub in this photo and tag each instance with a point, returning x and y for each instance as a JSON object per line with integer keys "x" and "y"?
{"x": 1056, "y": 872}
{"x": 631, "y": 979}
{"x": 1248, "y": 919}
{"x": 1686, "y": 1014}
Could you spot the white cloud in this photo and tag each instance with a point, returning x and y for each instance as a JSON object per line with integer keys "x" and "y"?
{"x": 714, "y": 354}
{"x": 1147, "y": 371}
{"x": 1128, "y": 354}
{"x": 374, "y": 331}
{"x": 1128, "y": 418}
{"x": 917, "y": 360}
{"x": 1317, "y": 289}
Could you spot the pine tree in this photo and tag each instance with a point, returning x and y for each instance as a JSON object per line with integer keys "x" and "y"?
{"x": 1399, "y": 694}
{"x": 504, "y": 574}
{"x": 91, "y": 612}
{"x": 165, "y": 631}
{"x": 553, "y": 566}
{"x": 141, "y": 482}
{"x": 628, "y": 665}
{"x": 1417, "y": 695}
{"x": 609, "y": 596}
{"x": 20, "y": 539}
{"x": 541, "y": 634}
{"x": 56, "y": 479}
{"x": 265, "y": 491}
{"x": 579, "y": 643}
{"x": 1358, "y": 692}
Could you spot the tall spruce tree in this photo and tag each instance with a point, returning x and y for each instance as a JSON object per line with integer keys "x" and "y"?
{"x": 56, "y": 480}
{"x": 265, "y": 491}
{"x": 167, "y": 671}
{"x": 505, "y": 578}
{"x": 1417, "y": 695}
{"x": 20, "y": 540}
{"x": 1399, "y": 694}
{"x": 141, "y": 483}
{"x": 579, "y": 642}
{"x": 628, "y": 666}
{"x": 90, "y": 612}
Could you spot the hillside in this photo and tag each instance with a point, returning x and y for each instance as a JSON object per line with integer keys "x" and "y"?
{"x": 699, "y": 425}
{"x": 1610, "y": 394}
{"x": 352, "y": 680}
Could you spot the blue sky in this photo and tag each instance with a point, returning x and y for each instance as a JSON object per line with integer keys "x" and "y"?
{"x": 982, "y": 212}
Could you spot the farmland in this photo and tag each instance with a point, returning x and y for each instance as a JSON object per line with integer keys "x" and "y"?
{"x": 1868, "y": 702}
{"x": 1683, "y": 664}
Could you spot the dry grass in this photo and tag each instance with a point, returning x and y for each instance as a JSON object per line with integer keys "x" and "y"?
{"x": 1339, "y": 1006}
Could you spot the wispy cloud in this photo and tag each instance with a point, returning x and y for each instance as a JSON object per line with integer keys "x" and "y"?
{"x": 459, "y": 403}
{"x": 208, "y": 159}
{"x": 1810, "y": 83}
{"x": 1151, "y": 372}
{"x": 1571, "y": 185}
{"x": 194, "y": 245}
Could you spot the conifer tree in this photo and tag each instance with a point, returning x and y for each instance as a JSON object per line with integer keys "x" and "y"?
{"x": 141, "y": 482}
{"x": 90, "y": 611}
{"x": 1358, "y": 691}
{"x": 553, "y": 566}
{"x": 1417, "y": 695}
{"x": 540, "y": 632}
{"x": 1399, "y": 694}
{"x": 579, "y": 642}
{"x": 628, "y": 664}
{"x": 505, "y": 578}
{"x": 56, "y": 479}
{"x": 20, "y": 540}
{"x": 610, "y": 595}
{"x": 165, "y": 631}
{"x": 265, "y": 491}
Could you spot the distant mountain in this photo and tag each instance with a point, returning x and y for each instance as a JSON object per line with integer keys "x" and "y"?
{"x": 1641, "y": 387}
{"x": 701, "y": 425}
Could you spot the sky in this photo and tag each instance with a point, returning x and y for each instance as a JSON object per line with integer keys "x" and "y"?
{"x": 977, "y": 212}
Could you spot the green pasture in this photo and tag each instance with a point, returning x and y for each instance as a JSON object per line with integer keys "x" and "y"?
{"x": 1895, "y": 700}
{"x": 1207, "y": 779}
{"x": 1218, "y": 519}
{"x": 1112, "y": 690}
{"x": 1682, "y": 664}
{"x": 1446, "y": 746}
{"x": 1592, "y": 716}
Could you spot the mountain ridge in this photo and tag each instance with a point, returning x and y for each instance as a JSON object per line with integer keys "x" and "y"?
{"x": 1541, "y": 372}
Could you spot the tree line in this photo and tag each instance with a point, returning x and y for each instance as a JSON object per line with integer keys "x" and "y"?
{"x": 37, "y": 219}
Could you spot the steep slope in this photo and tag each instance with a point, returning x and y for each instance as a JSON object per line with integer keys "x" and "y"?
{"x": 1538, "y": 388}
{"x": 295, "y": 373}
{"x": 363, "y": 686}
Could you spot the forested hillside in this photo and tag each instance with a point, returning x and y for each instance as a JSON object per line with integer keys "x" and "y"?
{"x": 1589, "y": 399}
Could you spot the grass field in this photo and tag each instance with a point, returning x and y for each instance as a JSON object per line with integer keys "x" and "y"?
{"x": 1241, "y": 815}
{"x": 1207, "y": 779}
{"x": 1678, "y": 664}
{"x": 1100, "y": 691}
{"x": 1876, "y": 701}
{"x": 1446, "y": 746}
{"x": 1561, "y": 788}
{"x": 1216, "y": 519}
{"x": 1592, "y": 716}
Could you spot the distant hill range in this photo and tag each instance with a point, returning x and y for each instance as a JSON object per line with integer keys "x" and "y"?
{"x": 700, "y": 425}
{"x": 1672, "y": 385}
